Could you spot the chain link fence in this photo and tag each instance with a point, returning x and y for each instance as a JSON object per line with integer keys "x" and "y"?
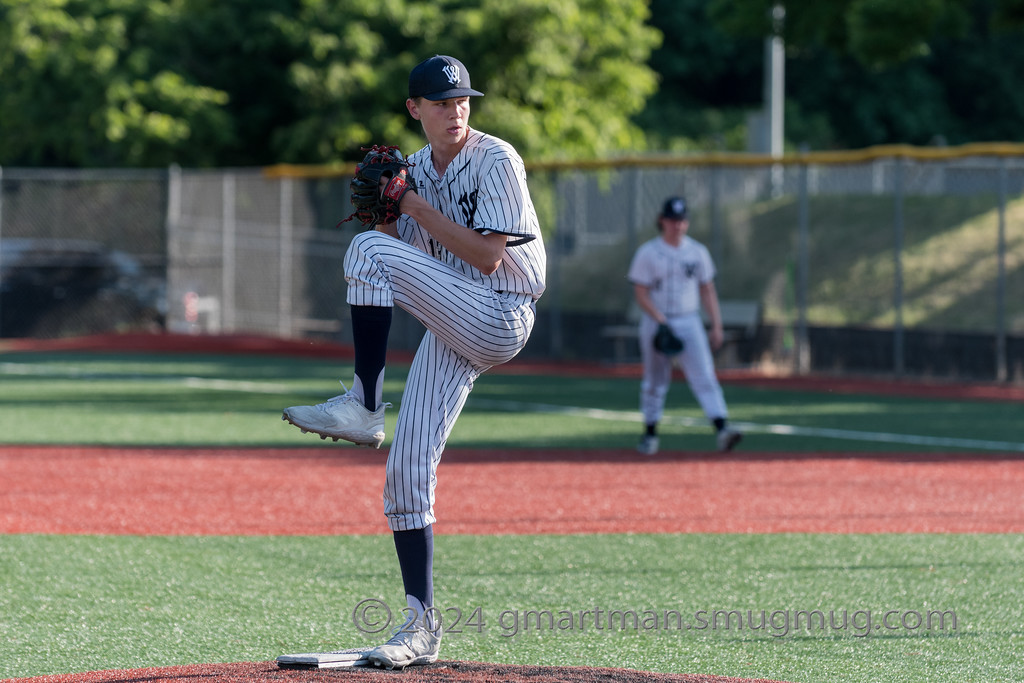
{"x": 890, "y": 260}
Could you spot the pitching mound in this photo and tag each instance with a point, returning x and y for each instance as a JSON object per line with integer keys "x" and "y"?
{"x": 473, "y": 672}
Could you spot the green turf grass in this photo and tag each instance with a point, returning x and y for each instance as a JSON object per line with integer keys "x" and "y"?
{"x": 85, "y": 603}
{"x": 222, "y": 400}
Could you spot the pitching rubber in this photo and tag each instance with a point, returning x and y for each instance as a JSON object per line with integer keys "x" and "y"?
{"x": 325, "y": 660}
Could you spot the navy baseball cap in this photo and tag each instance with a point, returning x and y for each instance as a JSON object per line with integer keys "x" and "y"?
{"x": 440, "y": 78}
{"x": 674, "y": 209}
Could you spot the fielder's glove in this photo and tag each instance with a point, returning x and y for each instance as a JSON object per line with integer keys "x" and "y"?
{"x": 666, "y": 342}
{"x": 376, "y": 203}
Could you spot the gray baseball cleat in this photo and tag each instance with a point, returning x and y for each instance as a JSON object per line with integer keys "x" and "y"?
{"x": 728, "y": 438}
{"x": 410, "y": 645}
{"x": 648, "y": 445}
{"x": 342, "y": 417}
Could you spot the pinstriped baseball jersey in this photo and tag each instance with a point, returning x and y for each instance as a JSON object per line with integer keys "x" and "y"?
{"x": 483, "y": 188}
{"x": 673, "y": 274}
{"x": 474, "y": 321}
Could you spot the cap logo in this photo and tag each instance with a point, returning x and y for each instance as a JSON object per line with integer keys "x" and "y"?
{"x": 452, "y": 72}
{"x": 678, "y": 206}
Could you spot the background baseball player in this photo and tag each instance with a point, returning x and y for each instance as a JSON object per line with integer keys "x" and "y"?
{"x": 672, "y": 276}
{"x": 466, "y": 258}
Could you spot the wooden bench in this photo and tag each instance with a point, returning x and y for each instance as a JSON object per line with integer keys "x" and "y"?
{"x": 741, "y": 319}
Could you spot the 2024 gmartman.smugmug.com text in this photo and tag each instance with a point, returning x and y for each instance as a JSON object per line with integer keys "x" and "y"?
{"x": 372, "y": 615}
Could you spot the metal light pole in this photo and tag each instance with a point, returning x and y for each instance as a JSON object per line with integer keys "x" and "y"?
{"x": 775, "y": 94}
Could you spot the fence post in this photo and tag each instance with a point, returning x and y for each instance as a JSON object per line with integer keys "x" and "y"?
{"x": 285, "y": 249}
{"x": 897, "y": 296}
{"x": 1001, "y": 360}
{"x": 554, "y": 279}
{"x": 802, "y": 351}
{"x": 717, "y": 238}
{"x": 172, "y": 227}
{"x": 227, "y": 306}
{"x": 636, "y": 210}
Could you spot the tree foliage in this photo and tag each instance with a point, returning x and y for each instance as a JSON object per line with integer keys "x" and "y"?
{"x": 858, "y": 72}
{"x": 709, "y": 80}
{"x": 874, "y": 32}
{"x": 253, "y": 82}
{"x": 242, "y": 82}
{"x": 85, "y": 84}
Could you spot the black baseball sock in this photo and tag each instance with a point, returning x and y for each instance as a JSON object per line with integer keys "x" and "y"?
{"x": 651, "y": 429}
{"x": 370, "y": 328}
{"x": 719, "y": 423}
{"x": 415, "y": 550}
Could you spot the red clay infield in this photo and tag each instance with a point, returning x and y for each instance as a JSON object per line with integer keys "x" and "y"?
{"x": 96, "y": 490}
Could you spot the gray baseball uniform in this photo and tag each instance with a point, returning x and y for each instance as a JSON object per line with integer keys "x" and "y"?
{"x": 673, "y": 276}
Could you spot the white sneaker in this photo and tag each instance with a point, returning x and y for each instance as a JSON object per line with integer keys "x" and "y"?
{"x": 342, "y": 417}
{"x": 728, "y": 438}
{"x": 648, "y": 445}
{"x": 409, "y": 645}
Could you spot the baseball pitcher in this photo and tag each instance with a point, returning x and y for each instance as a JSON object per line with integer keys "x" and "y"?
{"x": 456, "y": 243}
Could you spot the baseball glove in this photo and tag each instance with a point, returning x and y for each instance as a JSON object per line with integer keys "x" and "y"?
{"x": 378, "y": 203}
{"x": 666, "y": 342}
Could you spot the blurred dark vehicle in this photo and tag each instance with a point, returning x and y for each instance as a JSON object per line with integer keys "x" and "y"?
{"x": 57, "y": 288}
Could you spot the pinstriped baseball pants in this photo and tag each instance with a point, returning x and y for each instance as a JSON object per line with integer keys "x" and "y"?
{"x": 470, "y": 328}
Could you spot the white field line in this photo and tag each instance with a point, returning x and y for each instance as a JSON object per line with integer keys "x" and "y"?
{"x": 786, "y": 430}
{"x": 525, "y": 406}
{"x": 26, "y": 369}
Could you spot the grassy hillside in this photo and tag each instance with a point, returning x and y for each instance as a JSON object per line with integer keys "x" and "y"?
{"x": 949, "y": 264}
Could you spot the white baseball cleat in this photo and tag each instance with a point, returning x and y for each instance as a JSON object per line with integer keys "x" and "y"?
{"x": 410, "y": 645}
{"x": 648, "y": 445}
{"x": 728, "y": 438}
{"x": 342, "y": 417}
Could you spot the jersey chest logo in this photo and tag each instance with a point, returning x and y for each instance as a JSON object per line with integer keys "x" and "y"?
{"x": 686, "y": 271}
{"x": 467, "y": 207}
{"x": 465, "y": 210}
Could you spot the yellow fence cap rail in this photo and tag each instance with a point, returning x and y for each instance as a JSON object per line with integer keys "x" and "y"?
{"x": 978, "y": 149}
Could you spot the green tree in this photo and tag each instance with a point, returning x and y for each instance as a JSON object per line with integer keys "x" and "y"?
{"x": 708, "y": 81}
{"x": 561, "y": 77}
{"x": 874, "y": 32}
{"x": 858, "y": 72}
{"x": 83, "y": 86}
{"x": 564, "y": 77}
{"x": 252, "y": 82}
{"x": 957, "y": 85}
